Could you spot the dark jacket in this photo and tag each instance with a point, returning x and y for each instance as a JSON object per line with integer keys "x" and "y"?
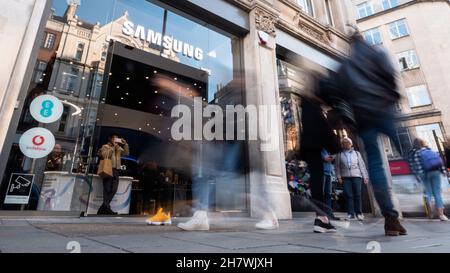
{"x": 447, "y": 157}
{"x": 366, "y": 83}
{"x": 316, "y": 132}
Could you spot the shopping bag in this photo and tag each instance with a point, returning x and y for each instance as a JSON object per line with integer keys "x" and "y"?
{"x": 105, "y": 169}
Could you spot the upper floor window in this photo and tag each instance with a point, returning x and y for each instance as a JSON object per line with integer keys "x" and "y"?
{"x": 70, "y": 80}
{"x": 388, "y": 4}
{"x": 79, "y": 53}
{"x": 306, "y": 6}
{"x": 40, "y": 71}
{"x": 418, "y": 96}
{"x": 373, "y": 36}
{"x": 49, "y": 41}
{"x": 364, "y": 9}
{"x": 328, "y": 12}
{"x": 398, "y": 29}
{"x": 408, "y": 60}
{"x": 104, "y": 54}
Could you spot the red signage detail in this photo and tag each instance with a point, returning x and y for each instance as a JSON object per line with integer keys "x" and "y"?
{"x": 399, "y": 167}
{"x": 38, "y": 140}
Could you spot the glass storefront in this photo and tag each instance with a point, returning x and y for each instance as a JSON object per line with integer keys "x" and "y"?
{"x": 120, "y": 67}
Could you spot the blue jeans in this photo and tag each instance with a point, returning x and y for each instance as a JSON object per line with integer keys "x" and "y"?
{"x": 432, "y": 184}
{"x": 327, "y": 190}
{"x": 377, "y": 173}
{"x": 352, "y": 191}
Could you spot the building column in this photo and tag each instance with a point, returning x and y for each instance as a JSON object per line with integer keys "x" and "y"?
{"x": 21, "y": 23}
{"x": 267, "y": 173}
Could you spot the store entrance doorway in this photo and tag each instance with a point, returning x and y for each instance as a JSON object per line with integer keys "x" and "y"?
{"x": 137, "y": 102}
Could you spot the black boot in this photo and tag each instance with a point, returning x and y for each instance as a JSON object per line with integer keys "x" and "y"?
{"x": 392, "y": 227}
{"x": 103, "y": 210}
{"x": 110, "y": 211}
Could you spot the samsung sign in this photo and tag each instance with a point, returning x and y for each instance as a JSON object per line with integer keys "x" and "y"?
{"x": 167, "y": 42}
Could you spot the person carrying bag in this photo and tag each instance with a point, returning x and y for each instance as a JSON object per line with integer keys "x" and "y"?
{"x": 108, "y": 169}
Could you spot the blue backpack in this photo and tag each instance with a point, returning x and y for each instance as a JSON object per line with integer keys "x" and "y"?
{"x": 431, "y": 161}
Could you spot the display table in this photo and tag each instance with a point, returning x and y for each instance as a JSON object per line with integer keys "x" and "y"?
{"x": 121, "y": 201}
{"x": 62, "y": 191}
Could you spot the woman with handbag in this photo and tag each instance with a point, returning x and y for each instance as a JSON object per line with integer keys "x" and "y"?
{"x": 110, "y": 163}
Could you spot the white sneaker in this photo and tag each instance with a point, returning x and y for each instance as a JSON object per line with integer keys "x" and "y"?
{"x": 267, "y": 224}
{"x": 198, "y": 222}
{"x": 443, "y": 218}
{"x": 360, "y": 217}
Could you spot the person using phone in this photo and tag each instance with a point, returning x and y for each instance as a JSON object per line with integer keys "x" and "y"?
{"x": 115, "y": 149}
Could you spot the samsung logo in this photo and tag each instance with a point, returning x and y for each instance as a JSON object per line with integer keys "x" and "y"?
{"x": 167, "y": 42}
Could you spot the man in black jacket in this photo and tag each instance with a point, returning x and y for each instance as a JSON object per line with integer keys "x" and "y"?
{"x": 367, "y": 92}
{"x": 316, "y": 136}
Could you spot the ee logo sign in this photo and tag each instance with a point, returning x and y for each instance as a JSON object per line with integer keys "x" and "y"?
{"x": 46, "y": 109}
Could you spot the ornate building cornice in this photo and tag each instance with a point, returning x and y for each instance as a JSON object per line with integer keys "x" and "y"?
{"x": 265, "y": 21}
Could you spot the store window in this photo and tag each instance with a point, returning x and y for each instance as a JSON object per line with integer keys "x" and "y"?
{"x": 306, "y": 6}
{"x": 373, "y": 36}
{"x": 124, "y": 75}
{"x": 364, "y": 9}
{"x": 388, "y": 4}
{"x": 418, "y": 96}
{"x": 408, "y": 60}
{"x": 49, "y": 41}
{"x": 398, "y": 29}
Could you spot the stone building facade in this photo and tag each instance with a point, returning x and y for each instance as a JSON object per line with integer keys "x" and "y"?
{"x": 276, "y": 45}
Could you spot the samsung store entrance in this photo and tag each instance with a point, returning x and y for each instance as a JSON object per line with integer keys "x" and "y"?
{"x": 120, "y": 71}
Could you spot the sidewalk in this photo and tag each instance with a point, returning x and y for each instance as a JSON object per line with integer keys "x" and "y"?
{"x": 229, "y": 235}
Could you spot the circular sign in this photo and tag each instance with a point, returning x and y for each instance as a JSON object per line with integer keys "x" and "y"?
{"x": 46, "y": 108}
{"x": 37, "y": 143}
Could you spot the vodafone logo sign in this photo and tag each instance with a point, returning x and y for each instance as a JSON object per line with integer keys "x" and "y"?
{"x": 38, "y": 140}
{"x": 37, "y": 143}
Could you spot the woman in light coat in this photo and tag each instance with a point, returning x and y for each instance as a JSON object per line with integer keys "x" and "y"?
{"x": 351, "y": 172}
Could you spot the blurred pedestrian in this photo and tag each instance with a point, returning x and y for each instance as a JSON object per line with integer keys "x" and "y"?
{"x": 328, "y": 173}
{"x": 428, "y": 167}
{"x": 316, "y": 136}
{"x": 351, "y": 172}
{"x": 364, "y": 92}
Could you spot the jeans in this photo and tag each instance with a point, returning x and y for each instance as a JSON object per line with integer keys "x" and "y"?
{"x": 432, "y": 184}
{"x": 352, "y": 191}
{"x": 377, "y": 173}
{"x": 327, "y": 190}
{"x": 200, "y": 193}
{"x": 110, "y": 186}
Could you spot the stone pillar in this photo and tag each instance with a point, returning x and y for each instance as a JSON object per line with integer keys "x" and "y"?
{"x": 268, "y": 187}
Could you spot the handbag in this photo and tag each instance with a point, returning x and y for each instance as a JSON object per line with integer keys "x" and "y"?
{"x": 105, "y": 169}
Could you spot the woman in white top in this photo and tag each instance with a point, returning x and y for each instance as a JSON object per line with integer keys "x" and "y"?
{"x": 351, "y": 171}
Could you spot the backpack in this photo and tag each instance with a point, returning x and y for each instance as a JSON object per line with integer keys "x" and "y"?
{"x": 431, "y": 161}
